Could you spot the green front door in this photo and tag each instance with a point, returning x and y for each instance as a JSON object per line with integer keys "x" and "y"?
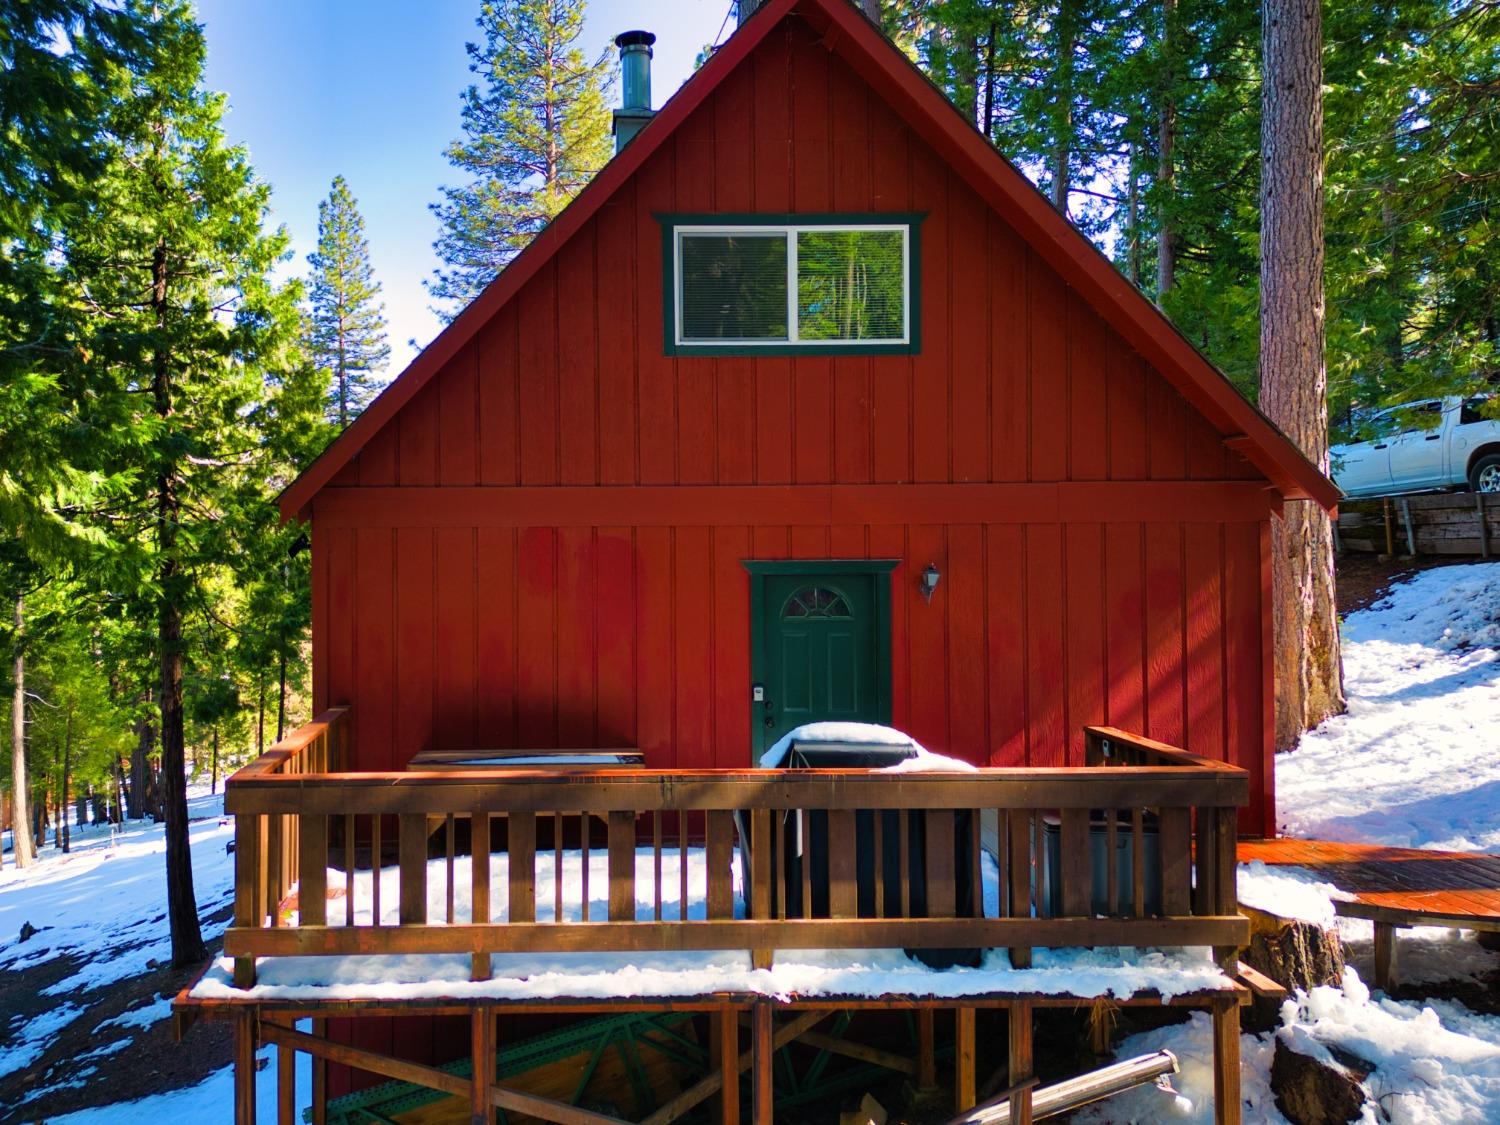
{"x": 823, "y": 646}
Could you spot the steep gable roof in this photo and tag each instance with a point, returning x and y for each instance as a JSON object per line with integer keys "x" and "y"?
{"x": 847, "y": 32}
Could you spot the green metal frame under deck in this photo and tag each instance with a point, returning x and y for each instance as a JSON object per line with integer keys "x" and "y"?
{"x": 910, "y": 219}
{"x": 760, "y": 570}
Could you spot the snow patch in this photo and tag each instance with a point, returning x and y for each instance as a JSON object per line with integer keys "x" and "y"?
{"x": 1411, "y": 763}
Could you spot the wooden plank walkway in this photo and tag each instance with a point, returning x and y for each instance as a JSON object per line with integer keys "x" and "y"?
{"x": 1394, "y": 886}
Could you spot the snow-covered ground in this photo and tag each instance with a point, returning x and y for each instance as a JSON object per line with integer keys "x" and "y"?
{"x": 1413, "y": 763}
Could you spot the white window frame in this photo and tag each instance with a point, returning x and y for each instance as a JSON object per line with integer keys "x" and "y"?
{"x": 790, "y": 231}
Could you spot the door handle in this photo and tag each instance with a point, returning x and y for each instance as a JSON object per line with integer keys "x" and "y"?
{"x": 1380, "y": 446}
{"x": 1432, "y": 437}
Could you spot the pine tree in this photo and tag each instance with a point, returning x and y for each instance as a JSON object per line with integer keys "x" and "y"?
{"x": 346, "y": 330}
{"x": 1293, "y": 380}
{"x": 189, "y": 328}
{"x": 535, "y": 131}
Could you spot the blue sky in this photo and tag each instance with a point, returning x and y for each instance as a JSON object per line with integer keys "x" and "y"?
{"x": 370, "y": 90}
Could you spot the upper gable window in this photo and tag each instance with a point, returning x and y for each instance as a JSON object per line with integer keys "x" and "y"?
{"x": 756, "y": 285}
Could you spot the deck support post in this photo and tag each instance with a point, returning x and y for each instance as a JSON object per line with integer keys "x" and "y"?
{"x": 286, "y": 1080}
{"x": 1226, "y": 1026}
{"x": 320, "y": 1078}
{"x": 244, "y": 1067}
{"x": 963, "y": 1046}
{"x": 1020, "y": 1063}
{"x": 724, "y": 1049}
{"x": 1385, "y": 956}
{"x": 482, "y": 1036}
{"x": 926, "y": 1056}
{"x": 764, "y": 1110}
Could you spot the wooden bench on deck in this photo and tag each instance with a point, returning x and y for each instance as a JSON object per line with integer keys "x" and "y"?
{"x": 1395, "y": 887}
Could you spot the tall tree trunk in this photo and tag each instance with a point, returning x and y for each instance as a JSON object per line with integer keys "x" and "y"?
{"x": 1133, "y": 219}
{"x": 260, "y": 712}
{"x": 1166, "y": 141}
{"x": 118, "y": 816}
{"x": 1293, "y": 377}
{"x": 182, "y": 905}
{"x": 140, "y": 770}
{"x": 1062, "y": 155}
{"x": 67, "y": 784}
{"x": 281, "y": 694}
{"x": 213, "y": 768}
{"x": 20, "y": 819}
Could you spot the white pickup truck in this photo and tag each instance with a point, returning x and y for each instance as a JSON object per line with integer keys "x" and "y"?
{"x": 1432, "y": 444}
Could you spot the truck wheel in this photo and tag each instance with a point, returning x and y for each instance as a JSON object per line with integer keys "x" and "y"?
{"x": 1485, "y": 475}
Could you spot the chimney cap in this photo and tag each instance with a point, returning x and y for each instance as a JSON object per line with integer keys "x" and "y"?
{"x": 634, "y": 39}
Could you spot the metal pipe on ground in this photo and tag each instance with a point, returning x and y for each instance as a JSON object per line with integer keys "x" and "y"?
{"x": 1071, "y": 1093}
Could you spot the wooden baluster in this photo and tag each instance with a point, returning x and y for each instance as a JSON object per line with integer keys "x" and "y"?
{"x": 903, "y": 844}
{"x": 621, "y": 866}
{"x": 1206, "y": 846}
{"x": 375, "y": 863}
{"x": 1020, "y": 878}
{"x": 312, "y": 864}
{"x": 1042, "y": 900}
{"x": 656, "y": 861}
{"x": 877, "y": 843}
{"x": 682, "y": 865}
{"x": 1112, "y": 862}
{"x": 557, "y": 867}
{"x": 719, "y": 856}
{"x": 778, "y": 860}
{"x": 248, "y": 848}
{"x": 805, "y": 838}
{"x": 942, "y": 884}
{"x": 1176, "y": 863}
{"x": 976, "y": 865}
{"x": 584, "y": 830}
{"x": 1075, "y": 862}
{"x": 348, "y": 869}
{"x": 479, "y": 885}
{"x": 448, "y": 833}
{"x": 843, "y": 856}
{"x": 1002, "y": 861}
{"x": 276, "y": 889}
{"x": 762, "y": 850}
{"x": 1138, "y": 862}
{"x": 411, "y": 854}
{"x": 520, "y": 847}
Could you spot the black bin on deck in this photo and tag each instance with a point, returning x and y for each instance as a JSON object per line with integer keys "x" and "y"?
{"x": 791, "y": 854}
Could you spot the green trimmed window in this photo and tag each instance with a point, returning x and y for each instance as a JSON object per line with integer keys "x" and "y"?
{"x": 748, "y": 285}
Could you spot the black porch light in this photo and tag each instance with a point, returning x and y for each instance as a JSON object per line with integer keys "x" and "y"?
{"x": 930, "y": 578}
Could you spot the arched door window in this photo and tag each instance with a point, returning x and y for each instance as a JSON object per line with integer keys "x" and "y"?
{"x": 816, "y": 601}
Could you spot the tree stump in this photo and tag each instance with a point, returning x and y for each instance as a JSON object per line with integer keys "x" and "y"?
{"x": 1295, "y": 955}
{"x": 1317, "y": 1088}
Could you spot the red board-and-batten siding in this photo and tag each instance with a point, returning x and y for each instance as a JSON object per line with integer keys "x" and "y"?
{"x": 468, "y": 619}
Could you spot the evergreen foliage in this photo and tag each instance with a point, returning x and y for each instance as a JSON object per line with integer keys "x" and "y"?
{"x": 535, "y": 130}
{"x": 346, "y": 324}
{"x": 1079, "y": 90}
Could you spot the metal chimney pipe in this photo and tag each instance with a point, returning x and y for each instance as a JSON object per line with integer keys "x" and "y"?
{"x": 635, "y": 85}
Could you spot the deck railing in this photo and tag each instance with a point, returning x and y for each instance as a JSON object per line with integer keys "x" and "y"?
{"x": 1069, "y": 850}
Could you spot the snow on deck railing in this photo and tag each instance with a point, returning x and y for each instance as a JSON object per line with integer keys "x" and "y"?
{"x": 1135, "y": 849}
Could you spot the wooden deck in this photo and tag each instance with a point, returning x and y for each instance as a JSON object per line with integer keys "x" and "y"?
{"x": 1395, "y": 887}
{"x": 1137, "y": 848}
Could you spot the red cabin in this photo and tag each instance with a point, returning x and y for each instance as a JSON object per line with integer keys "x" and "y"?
{"x": 583, "y": 516}
{"x": 810, "y": 407}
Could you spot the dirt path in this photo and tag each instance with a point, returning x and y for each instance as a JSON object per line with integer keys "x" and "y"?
{"x": 84, "y": 1066}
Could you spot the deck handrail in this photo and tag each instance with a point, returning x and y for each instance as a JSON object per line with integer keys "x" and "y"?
{"x": 1043, "y": 830}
